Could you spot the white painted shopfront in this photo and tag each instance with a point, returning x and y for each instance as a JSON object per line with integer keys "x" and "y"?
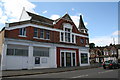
{"x": 19, "y": 54}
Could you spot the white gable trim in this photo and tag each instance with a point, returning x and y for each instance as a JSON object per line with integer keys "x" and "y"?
{"x": 24, "y": 16}
{"x": 42, "y": 27}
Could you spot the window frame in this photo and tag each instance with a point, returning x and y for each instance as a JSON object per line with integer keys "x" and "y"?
{"x": 41, "y": 33}
{"x": 84, "y": 59}
{"x": 47, "y": 34}
{"x": 22, "y": 32}
{"x": 36, "y": 31}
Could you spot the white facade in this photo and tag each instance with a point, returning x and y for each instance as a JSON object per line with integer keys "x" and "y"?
{"x": 28, "y": 62}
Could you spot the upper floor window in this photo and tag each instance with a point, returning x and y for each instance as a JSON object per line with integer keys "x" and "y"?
{"x": 105, "y": 52}
{"x": 62, "y": 36}
{"x": 86, "y": 41}
{"x": 82, "y": 41}
{"x": 41, "y": 33}
{"x": 73, "y": 38}
{"x": 35, "y": 32}
{"x": 22, "y": 31}
{"x": 47, "y": 35}
{"x": 67, "y": 35}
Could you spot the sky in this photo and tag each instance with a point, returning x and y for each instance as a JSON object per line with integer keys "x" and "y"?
{"x": 101, "y": 18}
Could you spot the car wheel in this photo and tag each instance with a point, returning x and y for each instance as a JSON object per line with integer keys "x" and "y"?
{"x": 104, "y": 67}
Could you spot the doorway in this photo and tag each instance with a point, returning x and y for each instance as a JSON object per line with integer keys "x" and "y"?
{"x": 67, "y": 58}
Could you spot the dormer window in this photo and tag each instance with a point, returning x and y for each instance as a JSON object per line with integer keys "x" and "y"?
{"x": 67, "y": 35}
{"x": 22, "y": 31}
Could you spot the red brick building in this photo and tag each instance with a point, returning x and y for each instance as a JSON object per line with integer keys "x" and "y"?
{"x": 101, "y": 54}
{"x": 39, "y": 42}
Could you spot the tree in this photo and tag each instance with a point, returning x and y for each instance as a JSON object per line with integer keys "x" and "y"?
{"x": 92, "y": 45}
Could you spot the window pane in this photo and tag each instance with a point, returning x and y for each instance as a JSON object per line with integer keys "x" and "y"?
{"x": 41, "y": 33}
{"x": 61, "y": 36}
{"x": 68, "y": 59}
{"x": 67, "y": 35}
{"x": 62, "y": 57}
{"x": 84, "y": 58}
{"x": 47, "y": 35}
{"x": 20, "y": 31}
{"x": 21, "y": 52}
{"x": 24, "y": 31}
{"x": 72, "y": 38}
{"x": 35, "y": 32}
{"x": 40, "y": 53}
{"x": 82, "y": 41}
{"x": 10, "y": 51}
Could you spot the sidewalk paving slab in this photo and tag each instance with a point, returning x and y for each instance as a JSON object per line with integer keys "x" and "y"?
{"x": 12, "y": 73}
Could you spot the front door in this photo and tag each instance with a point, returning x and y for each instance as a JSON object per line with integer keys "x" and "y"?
{"x": 68, "y": 59}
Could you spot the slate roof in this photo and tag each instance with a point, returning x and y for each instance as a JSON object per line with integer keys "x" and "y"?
{"x": 39, "y": 18}
{"x": 81, "y": 23}
{"x": 67, "y": 17}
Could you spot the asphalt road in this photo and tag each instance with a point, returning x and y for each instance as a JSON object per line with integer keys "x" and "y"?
{"x": 88, "y": 73}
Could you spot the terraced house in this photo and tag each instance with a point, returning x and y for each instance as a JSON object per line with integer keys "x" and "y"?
{"x": 101, "y": 54}
{"x": 38, "y": 42}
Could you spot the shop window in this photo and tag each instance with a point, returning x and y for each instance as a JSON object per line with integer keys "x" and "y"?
{"x": 10, "y": 51}
{"x": 84, "y": 58}
{"x": 41, "y": 53}
{"x": 17, "y": 52}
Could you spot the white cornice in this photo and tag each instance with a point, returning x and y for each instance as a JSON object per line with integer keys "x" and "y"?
{"x": 42, "y": 27}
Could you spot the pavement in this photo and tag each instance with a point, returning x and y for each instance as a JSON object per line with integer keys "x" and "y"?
{"x": 12, "y": 73}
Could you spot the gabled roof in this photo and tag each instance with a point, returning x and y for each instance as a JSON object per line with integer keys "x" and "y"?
{"x": 81, "y": 23}
{"x": 67, "y": 17}
{"x": 39, "y": 18}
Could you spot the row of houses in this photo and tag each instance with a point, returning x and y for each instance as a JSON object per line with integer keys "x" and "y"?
{"x": 101, "y": 54}
{"x": 39, "y": 42}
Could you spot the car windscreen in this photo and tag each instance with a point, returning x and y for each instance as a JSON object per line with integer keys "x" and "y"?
{"x": 110, "y": 61}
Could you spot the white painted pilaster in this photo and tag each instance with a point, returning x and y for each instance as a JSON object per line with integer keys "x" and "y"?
{"x": 71, "y": 60}
{"x": 30, "y": 56}
{"x": 3, "y": 59}
{"x": 52, "y": 56}
{"x": 65, "y": 59}
{"x": 88, "y": 58}
{"x": 79, "y": 57}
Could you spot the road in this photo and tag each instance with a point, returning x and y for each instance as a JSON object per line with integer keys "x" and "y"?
{"x": 88, "y": 73}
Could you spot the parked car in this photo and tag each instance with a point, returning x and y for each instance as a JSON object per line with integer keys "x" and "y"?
{"x": 111, "y": 64}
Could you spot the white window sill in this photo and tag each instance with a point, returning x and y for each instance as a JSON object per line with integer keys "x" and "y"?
{"x": 22, "y": 36}
{"x": 40, "y": 38}
{"x": 68, "y": 42}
